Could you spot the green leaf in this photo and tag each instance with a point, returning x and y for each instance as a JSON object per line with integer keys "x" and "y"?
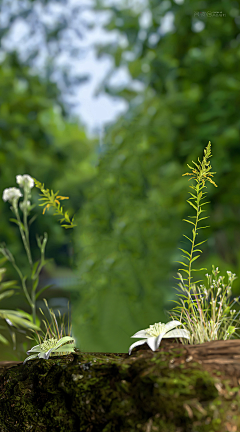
{"x": 199, "y": 269}
{"x": 9, "y": 284}
{"x": 203, "y": 218}
{"x": 18, "y": 223}
{"x": 189, "y": 202}
{"x": 203, "y": 227}
{"x": 3, "y": 340}
{"x": 7, "y": 294}
{"x": 188, "y": 238}
{"x": 32, "y": 219}
{"x": 15, "y": 318}
{"x": 205, "y": 203}
{"x": 200, "y": 243}
{"x": 197, "y": 250}
{"x": 35, "y": 284}
{"x": 184, "y": 251}
{"x": 181, "y": 263}
{"x": 34, "y": 269}
{"x": 195, "y": 258}
{"x": 187, "y": 271}
{"x": 194, "y": 196}
{"x": 43, "y": 289}
{"x": 189, "y": 222}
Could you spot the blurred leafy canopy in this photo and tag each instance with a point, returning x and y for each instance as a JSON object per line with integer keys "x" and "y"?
{"x": 48, "y": 29}
{"x": 130, "y": 227}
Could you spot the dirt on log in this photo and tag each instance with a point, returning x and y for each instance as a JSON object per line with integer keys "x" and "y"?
{"x": 178, "y": 388}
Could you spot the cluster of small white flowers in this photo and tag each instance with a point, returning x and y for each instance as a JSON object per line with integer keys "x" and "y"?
{"x": 11, "y": 194}
{"x": 25, "y": 180}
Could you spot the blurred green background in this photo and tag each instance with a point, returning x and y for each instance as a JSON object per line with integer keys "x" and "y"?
{"x": 128, "y": 196}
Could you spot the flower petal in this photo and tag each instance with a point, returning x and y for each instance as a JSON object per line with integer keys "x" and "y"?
{"x": 159, "y": 338}
{"x": 136, "y": 344}
{"x": 31, "y": 357}
{"x": 171, "y": 325}
{"x": 178, "y": 333}
{"x": 152, "y": 342}
{"x": 140, "y": 334}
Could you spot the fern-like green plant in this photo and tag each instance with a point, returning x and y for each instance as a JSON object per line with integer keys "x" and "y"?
{"x": 200, "y": 174}
{"x": 53, "y": 200}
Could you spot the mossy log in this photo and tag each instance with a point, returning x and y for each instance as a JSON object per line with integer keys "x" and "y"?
{"x": 178, "y": 388}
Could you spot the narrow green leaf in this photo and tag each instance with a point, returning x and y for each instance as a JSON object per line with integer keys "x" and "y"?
{"x": 32, "y": 219}
{"x": 195, "y": 258}
{"x": 181, "y": 263}
{"x": 43, "y": 289}
{"x": 7, "y": 294}
{"x": 197, "y": 250}
{"x": 189, "y": 222}
{"x": 3, "y": 340}
{"x": 203, "y": 218}
{"x": 205, "y": 203}
{"x": 184, "y": 251}
{"x": 200, "y": 243}
{"x": 199, "y": 269}
{"x": 203, "y": 227}
{"x": 187, "y": 238}
{"x": 35, "y": 284}
{"x": 198, "y": 167}
{"x": 198, "y": 282}
{"x": 186, "y": 257}
{"x": 18, "y": 223}
{"x": 194, "y": 196}
{"x": 189, "y": 202}
{"x": 9, "y": 284}
{"x": 185, "y": 271}
{"x": 34, "y": 269}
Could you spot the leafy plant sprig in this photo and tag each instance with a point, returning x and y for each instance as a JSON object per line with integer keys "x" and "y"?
{"x": 219, "y": 326}
{"x": 200, "y": 174}
{"x": 12, "y": 195}
{"x": 53, "y": 200}
{"x": 56, "y": 344}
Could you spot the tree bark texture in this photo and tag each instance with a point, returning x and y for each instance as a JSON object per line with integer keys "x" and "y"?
{"x": 178, "y": 388}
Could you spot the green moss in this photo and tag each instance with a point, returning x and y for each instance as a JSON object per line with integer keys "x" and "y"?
{"x": 113, "y": 392}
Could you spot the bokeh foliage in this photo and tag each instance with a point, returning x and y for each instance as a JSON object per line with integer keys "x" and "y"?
{"x": 131, "y": 225}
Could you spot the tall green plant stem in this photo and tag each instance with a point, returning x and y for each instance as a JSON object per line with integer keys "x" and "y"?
{"x": 200, "y": 175}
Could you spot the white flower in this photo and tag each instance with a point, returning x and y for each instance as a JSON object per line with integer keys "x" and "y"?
{"x": 25, "y": 180}
{"x": 11, "y": 194}
{"x": 51, "y": 346}
{"x": 155, "y": 333}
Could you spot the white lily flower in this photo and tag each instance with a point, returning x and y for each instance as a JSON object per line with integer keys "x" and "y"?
{"x": 11, "y": 194}
{"x": 155, "y": 333}
{"x": 25, "y": 180}
{"x": 52, "y": 346}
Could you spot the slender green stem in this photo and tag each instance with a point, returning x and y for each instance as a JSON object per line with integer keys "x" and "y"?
{"x": 26, "y": 227}
{"x": 23, "y": 284}
{"x": 26, "y": 244}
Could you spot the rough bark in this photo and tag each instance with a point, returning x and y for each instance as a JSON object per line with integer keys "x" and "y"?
{"x": 178, "y": 388}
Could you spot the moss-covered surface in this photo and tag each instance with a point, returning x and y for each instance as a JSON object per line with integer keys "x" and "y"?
{"x": 147, "y": 391}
